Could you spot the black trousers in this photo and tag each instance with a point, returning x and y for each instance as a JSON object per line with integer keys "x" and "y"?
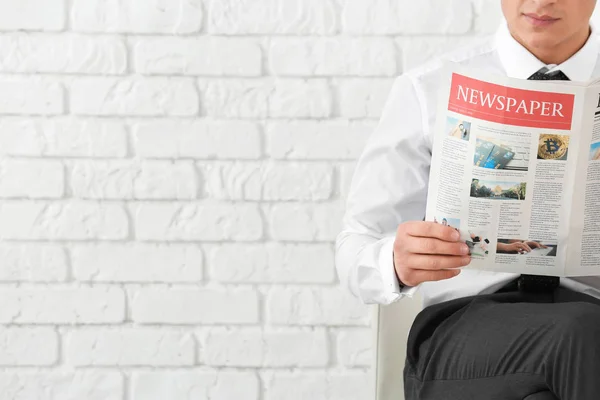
{"x": 506, "y": 345}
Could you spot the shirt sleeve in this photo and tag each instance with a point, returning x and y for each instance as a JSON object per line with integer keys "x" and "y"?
{"x": 389, "y": 186}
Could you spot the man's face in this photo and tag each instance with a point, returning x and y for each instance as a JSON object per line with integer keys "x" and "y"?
{"x": 543, "y": 24}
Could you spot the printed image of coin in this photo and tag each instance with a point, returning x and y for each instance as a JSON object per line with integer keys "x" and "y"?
{"x": 552, "y": 147}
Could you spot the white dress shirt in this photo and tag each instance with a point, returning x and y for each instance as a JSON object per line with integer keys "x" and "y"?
{"x": 390, "y": 182}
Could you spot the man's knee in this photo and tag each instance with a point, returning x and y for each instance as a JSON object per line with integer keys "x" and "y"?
{"x": 579, "y": 321}
{"x": 545, "y": 395}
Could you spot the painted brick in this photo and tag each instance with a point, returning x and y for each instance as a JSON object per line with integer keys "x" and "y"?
{"x": 305, "y": 222}
{"x": 197, "y": 221}
{"x": 213, "y": 56}
{"x": 46, "y": 15}
{"x": 256, "y": 348}
{"x": 419, "y": 50}
{"x": 30, "y": 96}
{"x": 318, "y": 385}
{"x": 137, "y": 16}
{"x": 134, "y": 180}
{"x": 364, "y": 98}
{"x": 294, "y": 17}
{"x": 59, "y": 385}
{"x": 134, "y": 96}
{"x": 31, "y": 179}
{"x": 62, "y": 137}
{"x": 28, "y": 347}
{"x": 308, "y": 140}
{"x": 312, "y": 306}
{"x": 346, "y": 173}
{"x": 385, "y": 17}
{"x": 129, "y": 347}
{"x": 355, "y": 347}
{"x": 333, "y": 57}
{"x": 488, "y": 16}
{"x": 199, "y": 140}
{"x": 200, "y": 384}
{"x": 272, "y": 263}
{"x": 39, "y": 305}
{"x": 32, "y": 262}
{"x": 64, "y": 53}
{"x": 62, "y": 220}
{"x": 172, "y": 306}
{"x": 268, "y": 181}
{"x": 259, "y": 98}
{"x": 137, "y": 263}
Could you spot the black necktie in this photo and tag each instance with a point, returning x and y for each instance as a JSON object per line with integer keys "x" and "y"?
{"x": 541, "y": 283}
{"x": 543, "y": 75}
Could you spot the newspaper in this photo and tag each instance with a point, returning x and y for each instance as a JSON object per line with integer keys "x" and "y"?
{"x": 516, "y": 170}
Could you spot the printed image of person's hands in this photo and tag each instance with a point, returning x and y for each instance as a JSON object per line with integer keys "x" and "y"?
{"x": 526, "y": 247}
{"x": 535, "y": 245}
{"x": 515, "y": 247}
{"x": 428, "y": 251}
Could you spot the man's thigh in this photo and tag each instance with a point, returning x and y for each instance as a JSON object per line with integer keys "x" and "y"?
{"x": 489, "y": 349}
{"x": 502, "y": 387}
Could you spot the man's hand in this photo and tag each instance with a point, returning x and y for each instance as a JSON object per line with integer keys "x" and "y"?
{"x": 426, "y": 251}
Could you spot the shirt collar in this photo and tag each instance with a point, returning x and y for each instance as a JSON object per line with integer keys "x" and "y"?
{"x": 519, "y": 63}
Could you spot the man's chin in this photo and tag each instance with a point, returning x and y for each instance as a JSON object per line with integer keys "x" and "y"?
{"x": 541, "y": 41}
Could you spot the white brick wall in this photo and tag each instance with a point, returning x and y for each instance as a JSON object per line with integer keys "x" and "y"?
{"x": 172, "y": 179}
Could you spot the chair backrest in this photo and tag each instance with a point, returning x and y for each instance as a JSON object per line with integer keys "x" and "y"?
{"x": 390, "y": 333}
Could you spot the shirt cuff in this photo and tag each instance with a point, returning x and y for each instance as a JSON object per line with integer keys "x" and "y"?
{"x": 391, "y": 284}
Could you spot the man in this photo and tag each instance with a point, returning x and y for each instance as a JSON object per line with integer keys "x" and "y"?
{"x": 481, "y": 335}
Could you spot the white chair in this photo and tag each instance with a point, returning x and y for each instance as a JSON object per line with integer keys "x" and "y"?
{"x": 391, "y": 325}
